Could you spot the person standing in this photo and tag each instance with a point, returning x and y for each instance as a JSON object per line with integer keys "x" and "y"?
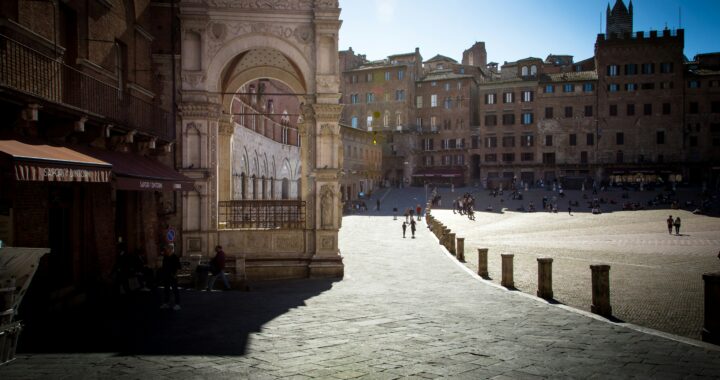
{"x": 168, "y": 273}
{"x": 570, "y": 210}
{"x": 412, "y": 227}
{"x": 404, "y": 227}
{"x": 419, "y": 211}
{"x": 217, "y": 269}
{"x": 377, "y": 202}
{"x": 670, "y": 224}
{"x": 677, "y": 226}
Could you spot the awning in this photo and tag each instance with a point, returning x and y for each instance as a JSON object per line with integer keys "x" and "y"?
{"x": 39, "y": 162}
{"x": 136, "y": 172}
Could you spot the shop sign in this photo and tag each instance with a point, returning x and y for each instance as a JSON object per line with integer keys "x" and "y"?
{"x": 59, "y": 174}
{"x": 151, "y": 185}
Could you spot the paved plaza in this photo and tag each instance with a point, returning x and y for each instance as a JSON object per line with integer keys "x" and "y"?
{"x": 655, "y": 277}
{"x": 405, "y": 308}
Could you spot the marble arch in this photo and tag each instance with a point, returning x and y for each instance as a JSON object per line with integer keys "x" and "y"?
{"x": 294, "y": 42}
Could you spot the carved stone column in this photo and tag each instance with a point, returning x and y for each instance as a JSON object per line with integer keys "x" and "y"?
{"x": 224, "y": 151}
{"x": 198, "y": 144}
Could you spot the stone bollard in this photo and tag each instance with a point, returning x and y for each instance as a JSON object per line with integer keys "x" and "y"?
{"x": 451, "y": 243}
{"x": 545, "y": 278}
{"x": 460, "y": 249}
{"x": 711, "y": 328}
{"x": 445, "y": 236}
{"x": 507, "y": 270}
{"x": 601, "y": 290}
{"x": 482, "y": 263}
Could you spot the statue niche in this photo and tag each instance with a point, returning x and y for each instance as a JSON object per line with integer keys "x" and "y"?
{"x": 326, "y": 207}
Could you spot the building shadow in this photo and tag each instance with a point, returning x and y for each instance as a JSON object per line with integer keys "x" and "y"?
{"x": 209, "y": 323}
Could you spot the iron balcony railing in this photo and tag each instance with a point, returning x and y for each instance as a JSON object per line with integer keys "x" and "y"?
{"x": 29, "y": 71}
{"x": 261, "y": 214}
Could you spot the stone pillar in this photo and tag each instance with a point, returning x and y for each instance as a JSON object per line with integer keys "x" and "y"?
{"x": 507, "y": 270}
{"x": 482, "y": 263}
{"x": 451, "y": 243}
{"x": 545, "y": 278}
{"x": 224, "y": 159}
{"x": 460, "y": 249}
{"x": 711, "y": 328}
{"x": 601, "y": 290}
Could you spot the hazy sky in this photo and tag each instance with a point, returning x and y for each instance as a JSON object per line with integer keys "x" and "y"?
{"x": 512, "y": 29}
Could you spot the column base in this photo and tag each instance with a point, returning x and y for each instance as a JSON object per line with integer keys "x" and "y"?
{"x": 326, "y": 267}
{"x": 603, "y": 311}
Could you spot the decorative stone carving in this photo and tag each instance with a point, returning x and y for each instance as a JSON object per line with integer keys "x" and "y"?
{"x": 327, "y": 242}
{"x": 226, "y": 128}
{"x": 287, "y": 243}
{"x": 303, "y": 34}
{"x": 328, "y": 83}
{"x": 326, "y": 206}
{"x": 328, "y": 112}
{"x": 256, "y": 242}
{"x": 326, "y": 4}
{"x": 293, "y": 5}
{"x": 200, "y": 110}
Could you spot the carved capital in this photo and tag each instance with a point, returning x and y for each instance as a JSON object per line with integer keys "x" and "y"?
{"x": 198, "y": 109}
{"x": 226, "y": 128}
{"x": 327, "y": 112}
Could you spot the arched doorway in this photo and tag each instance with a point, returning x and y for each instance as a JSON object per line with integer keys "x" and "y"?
{"x": 294, "y": 43}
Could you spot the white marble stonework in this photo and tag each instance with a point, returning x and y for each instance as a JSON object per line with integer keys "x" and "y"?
{"x": 226, "y": 44}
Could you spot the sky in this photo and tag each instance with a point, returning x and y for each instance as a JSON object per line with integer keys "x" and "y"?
{"x": 512, "y": 29}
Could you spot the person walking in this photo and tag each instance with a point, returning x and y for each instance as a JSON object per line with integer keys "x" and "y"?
{"x": 412, "y": 228}
{"x": 404, "y": 227}
{"x": 418, "y": 209}
{"x": 670, "y": 224}
{"x": 677, "y": 226}
{"x": 377, "y": 202}
{"x": 570, "y": 210}
{"x": 168, "y": 273}
{"x": 217, "y": 269}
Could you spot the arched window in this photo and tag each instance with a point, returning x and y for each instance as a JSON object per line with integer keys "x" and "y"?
{"x": 533, "y": 70}
{"x": 524, "y": 71}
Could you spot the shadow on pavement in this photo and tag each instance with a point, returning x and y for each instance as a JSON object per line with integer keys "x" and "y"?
{"x": 209, "y": 323}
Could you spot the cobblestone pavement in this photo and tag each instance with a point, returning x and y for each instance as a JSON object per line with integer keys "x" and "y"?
{"x": 404, "y": 309}
{"x": 655, "y": 278}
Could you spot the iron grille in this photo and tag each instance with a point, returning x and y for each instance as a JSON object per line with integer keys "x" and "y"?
{"x": 261, "y": 214}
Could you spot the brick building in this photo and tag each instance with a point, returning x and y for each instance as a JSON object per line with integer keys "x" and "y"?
{"x": 87, "y": 150}
{"x": 637, "y": 111}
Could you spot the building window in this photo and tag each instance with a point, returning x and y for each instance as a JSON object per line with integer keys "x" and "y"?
{"x": 387, "y": 75}
{"x": 666, "y": 108}
{"x": 491, "y": 142}
{"x": 508, "y": 119}
{"x": 398, "y": 119}
{"x": 508, "y": 157}
{"x": 694, "y": 83}
{"x": 400, "y": 74}
{"x": 369, "y": 97}
{"x": 548, "y": 158}
{"x": 491, "y": 157}
{"x": 568, "y": 111}
{"x": 459, "y": 85}
{"x": 619, "y": 157}
{"x": 583, "y": 157}
{"x": 588, "y": 87}
{"x": 459, "y": 159}
{"x": 354, "y": 98}
{"x": 548, "y": 112}
{"x": 613, "y": 87}
{"x": 533, "y": 70}
{"x": 694, "y": 107}
{"x": 630, "y": 86}
{"x": 354, "y": 122}
{"x": 619, "y": 138}
{"x": 526, "y": 157}
{"x": 490, "y": 99}
{"x": 590, "y": 139}
{"x": 613, "y": 110}
{"x": 524, "y": 71}
{"x": 508, "y": 97}
{"x": 630, "y": 109}
{"x": 419, "y": 101}
{"x": 527, "y": 118}
{"x": 448, "y": 103}
{"x": 447, "y": 86}
{"x": 648, "y": 86}
{"x": 631, "y": 69}
{"x": 433, "y": 100}
{"x": 527, "y": 96}
{"x": 573, "y": 139}
{"x": 353, "y": 79}
{"x": 548, "y": 140}
{"x": 549, "y": 89}
{"x": 490, "y": 120}
{"x": 588, "y": 111}
{"x": 648, "y": 68}
{"x": 613, "y": 70}
{"x": 399, "y": 95}
{"x": 647, "y": 109}
{"x": 660, "y": 137}
{"x": 369, "y": 77}
{"x": 568, "y": 87}
{"x": 508, "y": 141}
{"x": 666, "y": 67}
{"x": 693, "y": 141}
{"x": 528, "y": 140}
{"x": 433, "y": 123}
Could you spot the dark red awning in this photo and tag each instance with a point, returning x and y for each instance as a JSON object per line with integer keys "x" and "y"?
{"x": 136, "y": 172}
{"x": 42, "y": 162}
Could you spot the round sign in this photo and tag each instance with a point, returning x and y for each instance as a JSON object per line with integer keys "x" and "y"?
{"x": 170, "y": 235}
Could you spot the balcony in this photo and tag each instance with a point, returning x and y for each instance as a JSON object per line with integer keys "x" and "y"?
{"x": 25, "y": 70}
